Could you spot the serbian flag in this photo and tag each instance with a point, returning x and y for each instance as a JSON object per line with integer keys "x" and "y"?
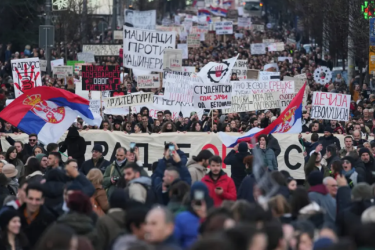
{"x": 227, "y": 4}
{"x": 203, "y": 12}
{"x": 290, "y": 121}
{"x": 194, "y": 3}
{"x": 47, "y": 112}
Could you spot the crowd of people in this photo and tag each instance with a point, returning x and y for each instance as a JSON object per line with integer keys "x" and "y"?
{"x": 94, "y": 203}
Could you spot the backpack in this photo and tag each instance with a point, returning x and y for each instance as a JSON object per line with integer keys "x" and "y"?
{"x": 96, "y": 208}
{"x": 151, "y": 197}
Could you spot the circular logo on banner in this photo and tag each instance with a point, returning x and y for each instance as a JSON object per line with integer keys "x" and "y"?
{"x": 217, "y": 72}
{"x": 322, "y": 75}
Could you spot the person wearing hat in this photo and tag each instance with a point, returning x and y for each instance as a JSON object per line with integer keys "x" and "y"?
{"x": 329, "y": 139}
{"x": 97, "y": 160}
{"x": 368, "y": 161}
{"x": 235, "y": 160}
{"x": 76, "y": 146}
{"x": 10, "y": 225}
{"x": 10, "y": 171}
{"x": 350, "y": 172}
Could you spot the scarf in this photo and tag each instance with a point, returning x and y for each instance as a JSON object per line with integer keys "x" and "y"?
{"x": 119, "y": 163}
{"x": 348, "y": 173}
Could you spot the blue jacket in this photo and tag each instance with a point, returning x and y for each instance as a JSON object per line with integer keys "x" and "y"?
{"x": 246, "y": 189}
{"x": 186, "y": 229}
{"x": 157, "y": 176}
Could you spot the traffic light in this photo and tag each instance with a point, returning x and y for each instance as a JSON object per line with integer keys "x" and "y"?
{"x": 368, "y": 9}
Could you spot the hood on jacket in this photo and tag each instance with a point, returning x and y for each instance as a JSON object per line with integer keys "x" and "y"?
{"x": 80, "y": 223}
{"x": 118, "y": 216}
{"x": 142, "y": 180}
{"x": 320, "y": 189}
{"x": 73, "y": 133}
{"x": 143, "y": 109}
{"x": 194, "y": 164}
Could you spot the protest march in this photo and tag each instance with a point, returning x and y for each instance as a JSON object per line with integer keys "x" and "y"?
{"x": 127, "y": 125}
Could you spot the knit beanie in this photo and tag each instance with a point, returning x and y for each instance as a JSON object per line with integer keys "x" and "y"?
{"x": 118, "y": 199}
{"x": 39, "y": 157}
{"x": 198, "y": 186}
{"x": 6, "y": 216}
{"x": 362, "y": 191}
{"x": 364, "y": 150}
{"x": 242, "y": 147}
{"x": 315, "y": 178}
{"x": 328, "y": 129}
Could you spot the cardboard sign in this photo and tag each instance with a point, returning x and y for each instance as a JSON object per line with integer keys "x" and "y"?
{"x": 100, "y": 78}
{"x": 140, "y": 19}
{"x": 26, "y": 74}
{"x": 86, "y": 57}
{"x": 102, "y": 49}
{"x": 184, "y": 48}
{"x": 172, "y": 60}
{"x": 224, "y": 28}
{"x": 258, "y": 49}
{"x": 252, "y": 74}
{"x": 129, "y": 100}
{"x": 268, "y": 76}
{"x": 256, "y": 87}
{"x": 62, "y": 71}
{"x": 262, "y": 101}
{"x": 193, "y": 41}
{"x": 330, "y": 106}
{"x": 148, "y": 81}
{"x": 143, "y": 49}
{"x": 117, "y": 35}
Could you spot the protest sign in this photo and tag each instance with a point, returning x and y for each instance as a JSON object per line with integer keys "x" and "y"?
{"x": 100, "y": 78}
{"x": 117, "y": 35}
{"x": 128, "y": 100}
{"x": 184, "y": 48}
{"x": 62, "y": 71}
{"x": 179, "y": 86}
{"x": 285, "y": 100}
{"x": 43, "y": 65}
{"x": 238, "y": 35}
{"x": 176, "y": 29}
{"x": 301, "y": 76}
{"x": 240, "y": 68}
{"x": 271, "y": 67}
{"x": 224, "y": 28}
{"x": 276, "y": 47}
{"x": 140, "y": 19}
{"x": 193, "y": 41}
{"x": 267, "y": 76}
{"x": 251, "y": 102}
{"x": 212, "y": 96}
{"x": 26, "y": 74}
{"x": 73, "y": 64}
{"x": 256, "y": 87}
{"x": 244, "y": 22}
{"x": 291, "y": 41}
{"x": 102, "y": 49}
{"x": 330, "y": 106}
{"x": 70, "y": 82}
{"x": 188, "y": 69}
{"x": 172, "y": 59}
{"x": 57, "y": 62}
{"x": 268, "y": 41}
{"x": 148, "y": 81}
{"x": 144, "y": 49}
{"x": 199, "y": 29}
{"x": 217, "y": 72}
{"x": 252, "y": 74}
{"x": 86, "y": 57}
{"x": 298, "y": 83}
{"x": 95, "y": 106}
{"x": 283, "y": 58}
{"x": 258, "y": 27}
{"x": 258, "y": 49}
{"x": 177, "y": 20}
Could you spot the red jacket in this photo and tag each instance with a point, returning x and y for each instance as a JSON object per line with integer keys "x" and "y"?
{"x": 226, "y": 183}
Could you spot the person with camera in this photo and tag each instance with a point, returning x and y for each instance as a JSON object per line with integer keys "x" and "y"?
{"x": 176, "y": 158}
{"x": 113, "y": 172}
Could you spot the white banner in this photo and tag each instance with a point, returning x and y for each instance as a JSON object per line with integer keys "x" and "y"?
{"x": 172, "y": 59}
{"x": 214, "y": 72}
{"x": 144, "y": 49}
{"x": 258, "y": 48}
{"x": 184, "y": 48}
{"x": 276, "y": 47}
{"x": 151, "y": 147}
{"x": 244, "y": 22}
{"x": 63, "y": 71}
{"x": 179, "y": 86}
{"x": 224, "y": 28}
{"x": 148, "y": 81}
{"x": 57, "y": 62}
{"x": 128, "y": 100}
{"x": 268, "y": 76}
{"x": 263, "y": 101}
{"x": 238, "y": 35}
{"x": 188, "y": 69}
{"x": 193, "y": 40}
{"x": 330, "y": 106}
{"x": 102, "y": 49}
{"x": 86, "y": 57}
{"x": 283, "y": 58}
{"x": 43, "y": 65}
{"x": 199, "y": 29}
{"x": 240, "y": 68}
{"x": 140, "y": 19}
{"x": 256, "y": 87}
{"x": 26, "y": 74}
{"x": 117, "y": 35}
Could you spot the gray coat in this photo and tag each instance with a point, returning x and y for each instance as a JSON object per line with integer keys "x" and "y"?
{"x": 324, "y": 200}
{"x": 269, "y": 158}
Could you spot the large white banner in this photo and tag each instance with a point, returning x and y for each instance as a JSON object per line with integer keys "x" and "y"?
{"x": 102, "y": 49}
{"x": 128, "y": 100}
{"x": 330, "y": 106}
{"x": 256, "y": 87}
{"x": 251, "y": 102}
{"x": 258, "y": 48}
{"x": 26, "y": 74}
{"x": 151, "y": 147}
{"x": 224, "y": 28}
{"x": 140, "y": 19}
{"x": 144, "y": 49}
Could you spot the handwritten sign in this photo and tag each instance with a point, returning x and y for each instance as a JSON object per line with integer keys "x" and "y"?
{"x": 184, "y": 48}
{"x": 62, "y": 71}
{"x": 129, "y": 100}
{"x": 102, "y": 49}
{"x": 117, "y": 35}
{"x": 262, "y": 101}
{"x": 140, "y": 19}
{"x": 193, "y": 40}
{"x": 240, "y": 68}
{"x": 148, "y": 81}
{"x": 224, "y": 28}
{"x": 179, "y": 86}
{"x": 285, "y": 100}
{"x": 330, "y": 106}
{"x": 244, "y": 22}
{"x": 199, "y": 29}
{"x": 276, "y": 47}
{"x": 267, "y": 76}
{"x": 256, "y": 87}
{"x": 144, "y": 49}
{"x": 86, "y": 57}
{"x": 100, "y": 78}
{"x": 213, "y": 96}
{"x": 258, "y": 49}
{"x": 26, "y": 74}
{"x": 172, "y": 59}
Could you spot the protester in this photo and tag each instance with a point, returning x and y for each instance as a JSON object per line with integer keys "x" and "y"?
{"x": 197, "y": 166}
{"x": 138, "y": 187}
{"x": 11, "y": 236}
{"x": 99, "y": 200}
{"x": 97, "y": 161}
{"x": 12, "y": 158}
{"x": 76, "y": 146}
{"x": 268, "y": 154}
